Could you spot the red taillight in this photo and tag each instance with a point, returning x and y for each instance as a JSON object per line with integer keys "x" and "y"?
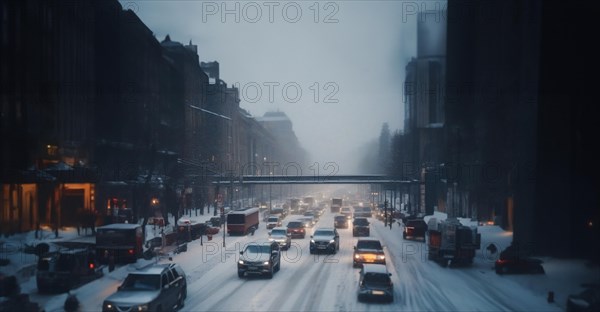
{"x": 91, "y": 266}
{"x": 130, "y": 251}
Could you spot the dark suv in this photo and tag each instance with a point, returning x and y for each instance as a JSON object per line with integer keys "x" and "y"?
{"x": 415, "y": 229}
{"x": 360, "y": 227}
{"x": 259, "y": 258}
{"x": 160, "y": 287}
{"x": 325, "y": 239}
{"x": 66, "y": 269}
{"x": 375, "y": 283}
{"x": 340, "y": 221}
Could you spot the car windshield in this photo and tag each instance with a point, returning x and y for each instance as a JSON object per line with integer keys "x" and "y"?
{"x": 361, "y": 222}
{"x": 141, "y": 282}
{"x": 340, "y": 218}
{"x": 257, "y": 249}
{"x": 377, "y": 278}
{"x": 295, "y": 224}
{"x": 278, "y": 232}
{"x": 323, "y": 233}
{"x": 273, "y": 219}
{"x": 368, "y": 245}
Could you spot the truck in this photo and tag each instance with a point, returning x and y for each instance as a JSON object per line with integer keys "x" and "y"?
{"x": 336, "y": 204}
{"x": 450, "y": 241}
{"x": 295, "y": 206}
{"x": 242, "y": 222}
{"x": 122, "y": 241}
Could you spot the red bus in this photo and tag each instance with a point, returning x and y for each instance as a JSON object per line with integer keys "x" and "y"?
{"x": 241, "y": 222}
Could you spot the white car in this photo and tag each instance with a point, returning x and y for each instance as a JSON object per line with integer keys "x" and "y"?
{"x": 281, "y": 236}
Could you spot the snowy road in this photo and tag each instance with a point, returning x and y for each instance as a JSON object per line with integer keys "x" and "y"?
{"x": 329, "y": 283}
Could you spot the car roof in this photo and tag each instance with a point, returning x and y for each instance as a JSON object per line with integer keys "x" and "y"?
{"x": 260, "y": 242}
{"x": 154, "y": 269}
{"x": 325, "y": 228}
{"x": 375, "y": 268}
{"x": 368, "y": 239}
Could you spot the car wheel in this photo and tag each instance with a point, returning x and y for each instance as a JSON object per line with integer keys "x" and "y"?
{"x": 180, "y": 300}
{"x": 240, "y": 274}
{"x": 159, "y": 309}
{"x": 270, "y": 274}
{"x": 278, "y": 267}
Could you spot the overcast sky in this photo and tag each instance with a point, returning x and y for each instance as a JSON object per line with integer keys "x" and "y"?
{"x": 353, "y": 52}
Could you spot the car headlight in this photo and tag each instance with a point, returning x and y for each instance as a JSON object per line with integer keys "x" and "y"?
{"x": 108, "y": 306}
{"x": 143, "y": 307}
{"x": 241, "y": 262}
{"x": 312, "y": 241}
{"x": 356, "y": 256}
{"x": 266, "y": 263}
{"x": 332, "y": 241}
{"x": 380, "y": 257}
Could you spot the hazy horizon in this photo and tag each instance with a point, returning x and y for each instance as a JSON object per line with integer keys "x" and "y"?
{"x": 354, "y": 53}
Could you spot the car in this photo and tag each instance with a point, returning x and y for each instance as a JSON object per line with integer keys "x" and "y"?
{"x": 415, "y": 229}
{"x": 159, "y": 287}
{"x": 340, "y": 222}
{"x": 325, "y": 239}
{"x": 281, "y": 236}
{"x": 273, "y": 221}
{"x": 215, "y": 221}
{"x": 346, "y": 211}
{"x": 586, "y": 301}
{"x": 368, "y": 250}
{"x": 375, "y": 283}
{"x": 514, "y": 261}
{"x": 313, "y": 215}
{"x": 360, "y": 227}
{"x": 65, "y": 269}
{"x": 520, "y": 265}
{"x": 309, "y": 222}
{"x": 259, "y": 258}
{"x": 296, "y": 229}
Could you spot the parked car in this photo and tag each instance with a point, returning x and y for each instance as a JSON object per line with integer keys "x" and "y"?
{"x": 340, "y": 222}
{"x": 586, "y": 301}
{"x": 325, "y": 239}
{"x": 415, "y": 229}
{"x": 519, "y": 266}
{"x": 215, "y": 221}
{"x": 296, "y": 229}
{"x": 360, "y": 227}
{"x": 259, "y": 258}
{"x": 513, "y": 261}
{"x": 375, "y": 283}
{"x": 281, "y": 236}
{"x": 159, "y": 287}
{"x": 66, "y": 269}
{"x": 368, "y": 250}
{"x": 273, "y": 221}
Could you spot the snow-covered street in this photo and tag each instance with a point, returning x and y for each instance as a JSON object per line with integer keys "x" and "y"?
{"x": 329, "y": 282}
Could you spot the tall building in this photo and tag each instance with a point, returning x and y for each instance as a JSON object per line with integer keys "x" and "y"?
{"x": 519, "y": 111}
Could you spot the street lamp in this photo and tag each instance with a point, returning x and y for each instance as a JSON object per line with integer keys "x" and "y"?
{"x": 229, "y": 139}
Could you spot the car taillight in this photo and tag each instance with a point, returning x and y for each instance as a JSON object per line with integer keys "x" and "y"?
{"x": 130, "y": 251}
{"x": 91, "y": 266}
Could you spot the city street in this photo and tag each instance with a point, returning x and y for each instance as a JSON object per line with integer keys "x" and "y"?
{"x": 329, "y": 283}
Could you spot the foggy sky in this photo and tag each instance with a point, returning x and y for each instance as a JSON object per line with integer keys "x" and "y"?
{"x": 363, "y": 55}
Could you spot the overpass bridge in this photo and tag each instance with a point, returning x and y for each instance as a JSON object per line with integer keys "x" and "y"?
{"x": 314, "y": 179}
